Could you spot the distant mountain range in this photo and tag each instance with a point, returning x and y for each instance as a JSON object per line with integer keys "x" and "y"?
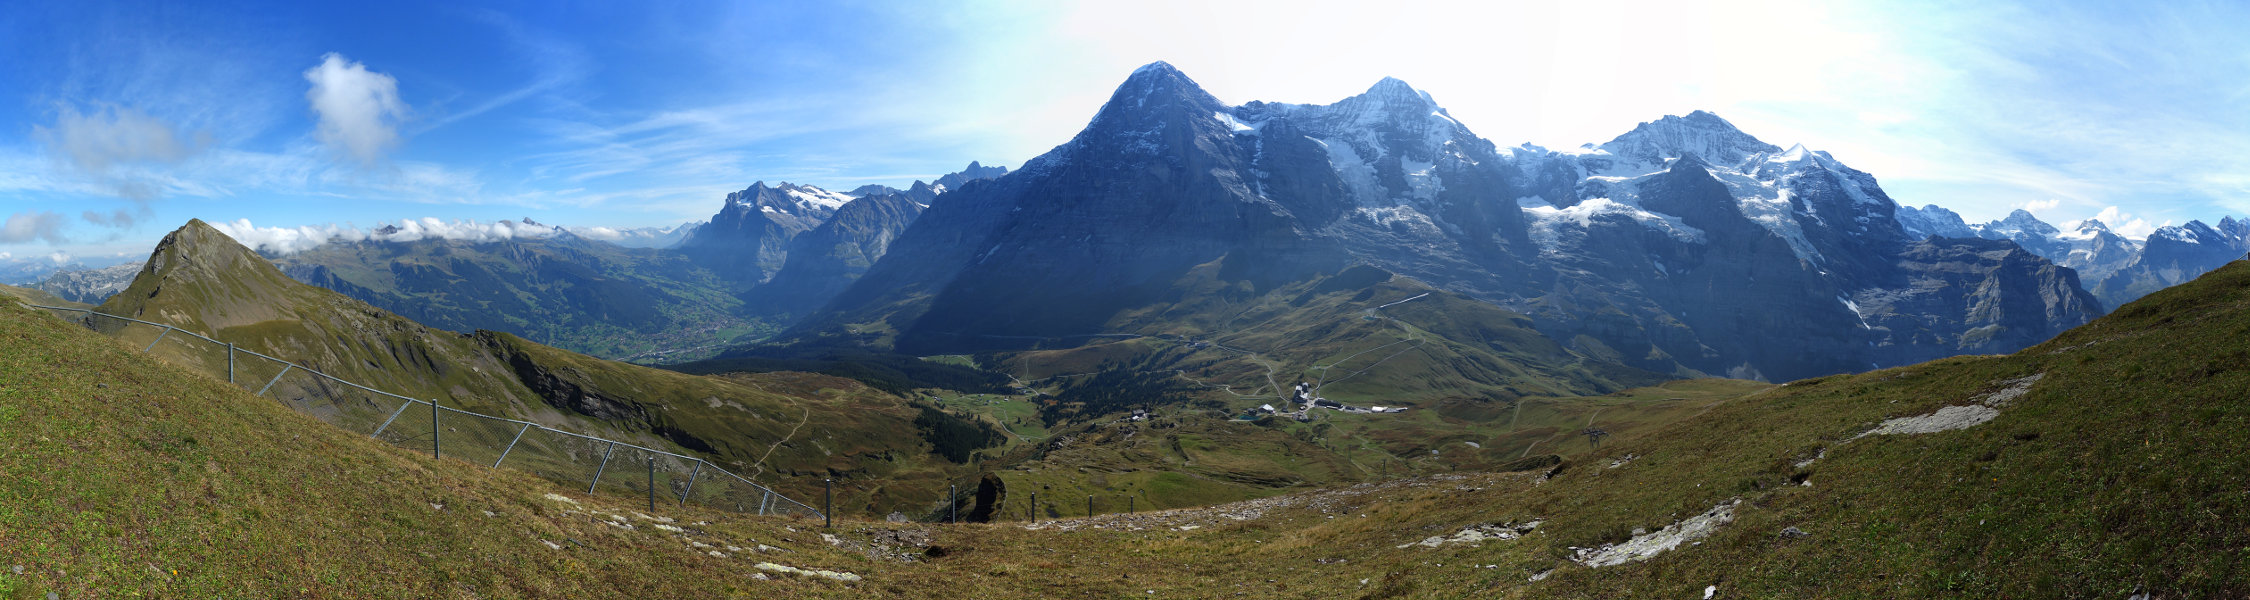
{"x": 1684, "y": 246}
{"x": 90, "y": 286}
{"x": 770, "y": 255}
{"x": 2116, "y": 269}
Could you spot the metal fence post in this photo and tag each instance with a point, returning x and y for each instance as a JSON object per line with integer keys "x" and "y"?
{"x": 691, "y": 481}
{"x": 828, "y": 503}
{"x": 511, "y": 445}
{"x": 652, "y": 483}
{"x": 605, "y": 466}
{"x": 953, "y": 504}
{"x": 1089, "y": 507}
{"x": 159, "y": 338}
{"x": 1034, "y": 510}
{"x": 434, "y": 429}
{"x": 230, "y": 362}
{"x": 1129, "y": 504}
{"x": 285, "y": 367}
{"x": 394, "y": 416}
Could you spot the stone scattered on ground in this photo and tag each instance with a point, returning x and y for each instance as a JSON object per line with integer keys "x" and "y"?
{"x": 1951, "y": 418}
{"x": 1477, "y": 534}
{"x": 1645, "y": 546}
{"x": 1792, "y": 532}
{"x": 1334, "y": 502}
{"x": 836, "y": 575}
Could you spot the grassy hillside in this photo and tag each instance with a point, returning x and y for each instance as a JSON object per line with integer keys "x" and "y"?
{"x": 785, "y": 430}
{"x": 42, "y": 297}
{"x": 123, "y": 476}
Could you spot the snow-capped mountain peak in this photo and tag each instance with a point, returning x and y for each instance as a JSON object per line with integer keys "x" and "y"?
{"x": 1706, "y": 135}
{"x": 2084, "y": 230}
{"x": 2019, "y": 223}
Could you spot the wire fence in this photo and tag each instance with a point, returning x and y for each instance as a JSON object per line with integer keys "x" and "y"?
{"x": 601, "y": 465}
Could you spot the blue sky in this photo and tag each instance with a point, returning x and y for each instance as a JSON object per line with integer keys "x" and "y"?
{"x": 119, "y": 121}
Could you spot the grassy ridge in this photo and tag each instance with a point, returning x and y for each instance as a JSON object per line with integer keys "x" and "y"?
{"x": 787, "y": 430}
{"x": 121, "y": 476}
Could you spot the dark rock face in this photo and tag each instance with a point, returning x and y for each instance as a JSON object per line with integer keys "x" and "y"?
{"x": 1684, "y": 246}
{"x": 2013, "y": 299}
{"x": 827, "y": 259}
{"x": 1105, "y": 222}
{"x": 564, "y": 388}
{"x": 2175, "y": 254}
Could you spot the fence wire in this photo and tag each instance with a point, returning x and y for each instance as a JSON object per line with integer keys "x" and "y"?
{"x": 569, "y": 459}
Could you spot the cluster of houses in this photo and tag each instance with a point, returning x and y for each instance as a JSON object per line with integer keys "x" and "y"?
{"x": 1304, "y": 397}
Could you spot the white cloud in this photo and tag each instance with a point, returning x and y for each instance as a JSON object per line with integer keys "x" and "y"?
{"x": 2039, "y": 206}
{"x": 32, "y": 225}
{"x": 359, "y": 109}
{"x": 112, "y": 135}
{"x": 120, "y": 151}
{"x": 291, "y": 240}
{"x": 2127, "y": 224}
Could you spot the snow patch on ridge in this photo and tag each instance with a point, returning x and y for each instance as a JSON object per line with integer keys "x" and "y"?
{"x": 1547, "y": 222}
{"x": 814, "y": 196}
{"x": 1236, "y": 125}
{"x": 1358, "y": 175}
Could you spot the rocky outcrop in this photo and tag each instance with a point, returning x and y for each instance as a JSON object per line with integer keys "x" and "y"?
{"x": 562, "y": 388}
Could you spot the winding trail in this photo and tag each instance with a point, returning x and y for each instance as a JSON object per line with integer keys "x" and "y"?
{"x": 759, "y": 468}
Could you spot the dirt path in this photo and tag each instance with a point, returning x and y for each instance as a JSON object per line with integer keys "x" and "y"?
{"x": 760, "y": 466}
